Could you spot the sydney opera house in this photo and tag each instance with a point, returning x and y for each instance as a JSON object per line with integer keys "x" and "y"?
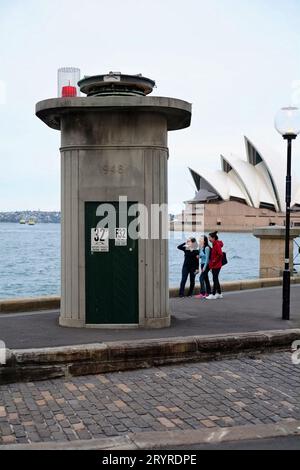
{"x": 245, "y": 193}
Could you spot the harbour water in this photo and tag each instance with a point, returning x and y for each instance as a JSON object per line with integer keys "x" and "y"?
{"x": 30, "y": 259}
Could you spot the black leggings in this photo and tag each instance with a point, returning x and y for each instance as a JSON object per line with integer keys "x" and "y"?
{"x": 217, "y": 287}
{"x": 187, "y": 271}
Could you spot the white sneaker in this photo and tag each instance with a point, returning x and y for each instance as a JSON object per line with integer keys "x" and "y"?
{"x": 219, "y": 296}
{"x": 211, "y": 297}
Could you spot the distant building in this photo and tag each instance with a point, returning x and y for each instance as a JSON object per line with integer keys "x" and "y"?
{"x": 242, "y": 195}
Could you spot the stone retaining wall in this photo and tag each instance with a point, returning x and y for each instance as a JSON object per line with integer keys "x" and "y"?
{"x": 48, "y": 363}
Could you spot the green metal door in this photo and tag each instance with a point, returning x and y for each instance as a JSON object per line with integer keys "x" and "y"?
{"x": 111, "y": 276}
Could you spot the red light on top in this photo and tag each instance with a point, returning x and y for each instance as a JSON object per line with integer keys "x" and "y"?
{"x": 68, "y": 91}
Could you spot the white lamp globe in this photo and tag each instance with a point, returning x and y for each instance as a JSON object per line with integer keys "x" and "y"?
{"x": 287, "y": 121}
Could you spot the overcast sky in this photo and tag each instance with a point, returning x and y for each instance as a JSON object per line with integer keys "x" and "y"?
{"x": 236, "y": 61}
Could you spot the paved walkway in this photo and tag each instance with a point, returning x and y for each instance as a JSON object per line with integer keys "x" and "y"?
{"x": 212, "y": 395}
{"x": 242, "y": 311}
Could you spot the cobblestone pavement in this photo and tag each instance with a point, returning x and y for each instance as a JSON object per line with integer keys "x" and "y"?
{"x": 190, "y": 396}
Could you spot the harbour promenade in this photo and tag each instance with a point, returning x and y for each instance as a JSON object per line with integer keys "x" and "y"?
{"x": 244, "y": 322}
{"x": 239, "y": 312}
{"x": 246, "y": 394}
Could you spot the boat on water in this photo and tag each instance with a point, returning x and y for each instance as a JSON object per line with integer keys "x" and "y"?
{"x": 31, "y": 222}
{"x": 22, "y": 221}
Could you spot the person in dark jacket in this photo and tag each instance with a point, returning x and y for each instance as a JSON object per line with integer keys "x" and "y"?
{"x": 215, "y": 264}
{"x": 190, "y": 265}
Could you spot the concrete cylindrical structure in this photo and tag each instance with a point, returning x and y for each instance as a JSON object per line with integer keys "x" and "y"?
{"x": 272, "y": 249}
{"x": 113, "y": 146}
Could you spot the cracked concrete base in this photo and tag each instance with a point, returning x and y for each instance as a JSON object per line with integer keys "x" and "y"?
{"x": 162, "y": 439}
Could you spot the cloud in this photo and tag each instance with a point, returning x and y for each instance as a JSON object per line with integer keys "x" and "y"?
{"x": 234, "y": 66}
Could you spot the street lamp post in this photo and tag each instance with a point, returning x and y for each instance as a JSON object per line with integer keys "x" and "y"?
{"x": 287, "y": 123}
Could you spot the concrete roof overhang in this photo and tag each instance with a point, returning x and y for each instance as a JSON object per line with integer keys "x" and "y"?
{"x": 177, "y": 112}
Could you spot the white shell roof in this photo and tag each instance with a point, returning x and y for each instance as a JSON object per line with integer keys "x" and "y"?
{"x": 274, "y": 168}
{"x": 254, "y": 184}
{"x": 258, "y": 180}
{"x": 224, "y": 185}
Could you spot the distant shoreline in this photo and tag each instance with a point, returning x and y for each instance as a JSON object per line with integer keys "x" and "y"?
{"x": 18, "y": 223}
{"x": 37, "y": 217}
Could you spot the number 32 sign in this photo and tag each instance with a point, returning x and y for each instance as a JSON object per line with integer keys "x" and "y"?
{"x": 99, "y": 240}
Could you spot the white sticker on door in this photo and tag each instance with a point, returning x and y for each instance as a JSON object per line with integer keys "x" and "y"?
{"x": 121, "y": 236}
{"x": 99, "y": 240}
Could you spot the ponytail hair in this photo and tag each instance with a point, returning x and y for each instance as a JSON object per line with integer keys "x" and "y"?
{"x": 214, "y": 235}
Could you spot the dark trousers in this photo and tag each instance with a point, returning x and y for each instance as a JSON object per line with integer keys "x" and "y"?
{"x": 187, "y": 271}
{"x": 217, "y": 287}
{"x": 204, "y": 281}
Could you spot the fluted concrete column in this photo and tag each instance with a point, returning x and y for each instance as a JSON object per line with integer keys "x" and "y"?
{"x": 111, "y": 147}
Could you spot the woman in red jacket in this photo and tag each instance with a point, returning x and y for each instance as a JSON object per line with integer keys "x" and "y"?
{"x": 215, "y": 264}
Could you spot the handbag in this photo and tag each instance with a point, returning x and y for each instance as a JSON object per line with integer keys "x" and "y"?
{"x": 224, "y": 258}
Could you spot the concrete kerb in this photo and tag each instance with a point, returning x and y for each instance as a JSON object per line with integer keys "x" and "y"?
{"x": 164, "y": 439}
{"x": 29, "y": 304}
{"x": 66, "y": 361}
{"x": 156, "y": 440}
{"x": 53, "y": 302}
